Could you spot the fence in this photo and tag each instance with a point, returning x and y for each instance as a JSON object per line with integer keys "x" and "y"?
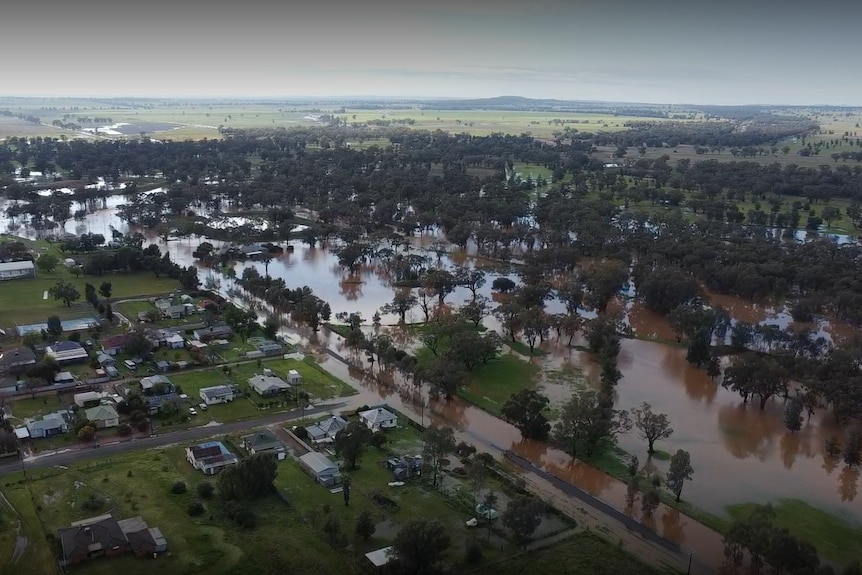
{"x": 596, "y": 503}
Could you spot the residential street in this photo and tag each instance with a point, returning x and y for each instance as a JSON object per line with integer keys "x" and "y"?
{"x": 73, "y": 455}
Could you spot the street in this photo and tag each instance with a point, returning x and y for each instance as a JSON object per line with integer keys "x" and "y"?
{"x": 74, "y": 455}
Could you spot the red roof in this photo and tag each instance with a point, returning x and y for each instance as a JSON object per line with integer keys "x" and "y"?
{"x": 118, "y": 340}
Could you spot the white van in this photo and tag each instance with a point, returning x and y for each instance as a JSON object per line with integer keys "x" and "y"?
{"x": 130, "y": 364}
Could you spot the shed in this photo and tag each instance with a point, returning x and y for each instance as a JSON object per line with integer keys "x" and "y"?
{"x": 17, "y": 270}
{"x": 380, "y": 557}
{"x": 320, "y": 468}
{"x": 294, "y": 377}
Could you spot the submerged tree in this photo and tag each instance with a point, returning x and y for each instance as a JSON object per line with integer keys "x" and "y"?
{"x": 679, "y": 472}
{"x": 652, "y": 426}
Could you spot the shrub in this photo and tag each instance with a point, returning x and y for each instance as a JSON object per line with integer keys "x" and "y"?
{"x": 205, "y": 489}
{"x": 179, "y": 488}
{"x": 240, "y": 515}
{"x": 196, "y": 508}
{"x": 379, "y": 439}
{"x": 92, "y": 502}
{"x": 124, "y": 430}
{"x": 473, "y": 553}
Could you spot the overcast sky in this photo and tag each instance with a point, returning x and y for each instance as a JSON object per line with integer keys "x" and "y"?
{"x": 668, "y": 51}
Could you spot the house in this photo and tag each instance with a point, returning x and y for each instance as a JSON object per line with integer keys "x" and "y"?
{"x": 253, "y": 250}
{"x": 155, "y": 403}
{"x": 269, "y": 348}
{"x": 104, "y": 416}
{"x": 148, "y": 384}
{"x": 87, "y": 399}
{"x": 206, "y": 334}
{"x": 325, "y": 430}
{"x": 16, "y": 360}
{"x": 104, "y": 535}
{"x": 210, "y": 457}
{"x": 17, "y": 270}
{"x": 114, "y": 344}
{"x": 293, "y": 377}
{"x": 378, "y": 418}
{"x": 173, "y": 340}
{"x": 262, "y": 441}
{"x": 174, "y": 312}
{"x": 320, "y": 468}
{"x": 268, "y": 385}
{"x": 49, "y": 426}
{"x": 105, "y": 360}
{"x": 219, "y": 394}
{"x": 112, "y": 371}
{"x": 143, "y": 540}
{"x": 87, "y": 540}
{"x": 67, "y": 352}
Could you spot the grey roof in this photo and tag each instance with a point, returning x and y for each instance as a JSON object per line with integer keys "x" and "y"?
{"x": 49, "y": 421}
{"x": 328, "y": 427}
{"x": 132, "y": 524}
{"x": 317, "y": 462}
{"x": 154, "y": 379}
{"x": 264, "y": 383}
{"x": 105, "y": 358}
{"x": 101, "y": 413}
{"x": 262, "y": 440}
{"x": 15, "y": 266}
{"x": 217, "y": 390}
{"x": 16, "y": 357}
{"x": 378, "y": 415}
{"x": 380, "y": 557}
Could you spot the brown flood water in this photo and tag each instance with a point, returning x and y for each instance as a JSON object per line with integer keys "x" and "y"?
{"x": 739, "y": 453}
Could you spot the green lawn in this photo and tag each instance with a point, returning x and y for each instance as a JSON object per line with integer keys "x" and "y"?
{"x": 315, "y": 381}
{"x": 191, "y": 383}
{"x": 835, "y": 538}
{"x": 23, "y": 408}
{"x": 139, "y": 484}
{"x": 415, "y": 499}
{"x": 23, "y": 301}
{"x": 492, "y": 384}
{"x": 585, "y": 552}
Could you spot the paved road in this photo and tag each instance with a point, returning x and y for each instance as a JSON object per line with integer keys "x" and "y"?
{"x": 73, "y": 455}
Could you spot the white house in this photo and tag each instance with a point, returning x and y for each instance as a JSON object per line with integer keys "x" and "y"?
{"x": 219, "y": 394}
{"x": 173, "y": 340}
{"x": 378, "y": 418}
